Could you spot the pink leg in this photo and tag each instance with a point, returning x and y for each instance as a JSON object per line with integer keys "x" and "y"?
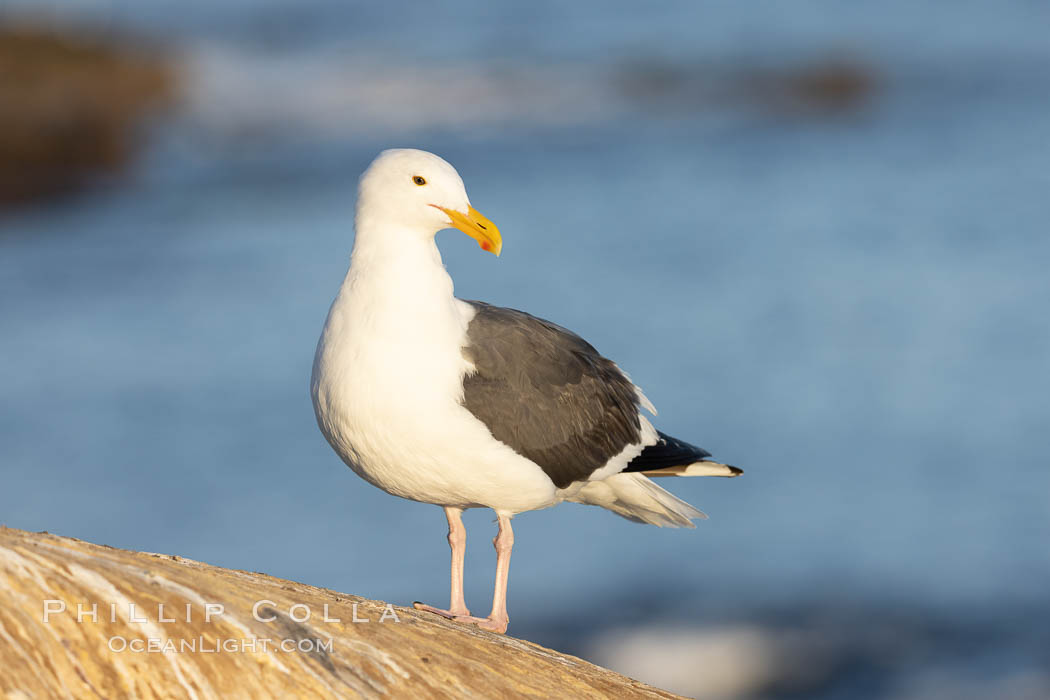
{"x": 457, "y": 540}
{"x": 504, "y": 542}
{"x": 497, "y": 620}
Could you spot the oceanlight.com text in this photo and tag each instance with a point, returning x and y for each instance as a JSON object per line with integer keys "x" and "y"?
{"x": 231, "y": 645}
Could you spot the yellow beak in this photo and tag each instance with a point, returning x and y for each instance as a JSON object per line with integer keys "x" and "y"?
{"x": 477, "y": 227}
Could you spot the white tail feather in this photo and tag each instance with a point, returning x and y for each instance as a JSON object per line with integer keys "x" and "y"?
{"x": 704, "y": 468}
{"x": 636, "y": 498}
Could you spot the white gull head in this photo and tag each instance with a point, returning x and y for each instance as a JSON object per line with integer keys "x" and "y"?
{"x": 415, "y": 193}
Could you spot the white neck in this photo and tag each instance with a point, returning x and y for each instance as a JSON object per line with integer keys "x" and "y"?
{"x": 398, "y": 284}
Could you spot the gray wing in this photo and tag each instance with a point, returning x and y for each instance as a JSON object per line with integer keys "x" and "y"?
{"x": 547, "y": 393}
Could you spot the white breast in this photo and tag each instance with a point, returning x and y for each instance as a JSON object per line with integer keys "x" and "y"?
{"x": 387, "y": 385}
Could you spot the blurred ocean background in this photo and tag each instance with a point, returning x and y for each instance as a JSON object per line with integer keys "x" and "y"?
{"x": 814, "y": 233}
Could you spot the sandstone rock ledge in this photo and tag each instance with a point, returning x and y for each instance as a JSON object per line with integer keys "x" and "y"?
{"x": 164, "y": 626}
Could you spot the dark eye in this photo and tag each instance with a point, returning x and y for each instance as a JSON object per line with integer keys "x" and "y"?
{"x": 419, "y": 180}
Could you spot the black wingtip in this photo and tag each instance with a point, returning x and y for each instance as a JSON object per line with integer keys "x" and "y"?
{"x": 737, "y": 471}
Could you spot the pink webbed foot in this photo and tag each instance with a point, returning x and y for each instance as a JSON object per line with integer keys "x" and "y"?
{"x": 491, "y": 624}
{"x": 497, "y": 625}
{"x": 450, "y": 614}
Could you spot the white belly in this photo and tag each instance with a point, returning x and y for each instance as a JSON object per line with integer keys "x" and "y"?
{"x": 387, "y": 398}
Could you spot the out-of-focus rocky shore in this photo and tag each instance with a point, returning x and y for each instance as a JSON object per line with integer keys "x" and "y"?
{"x": 71, "y": 108}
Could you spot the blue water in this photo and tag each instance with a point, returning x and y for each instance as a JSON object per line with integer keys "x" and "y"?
{"x": 850, "y": 305}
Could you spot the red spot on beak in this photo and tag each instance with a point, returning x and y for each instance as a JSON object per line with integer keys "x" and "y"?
{"x": 485, "y": 245}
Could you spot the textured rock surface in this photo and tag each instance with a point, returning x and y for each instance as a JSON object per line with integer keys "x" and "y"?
{"x": 414, "y": 655}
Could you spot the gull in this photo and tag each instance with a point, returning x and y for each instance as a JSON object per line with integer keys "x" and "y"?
{"x": 462, "y": 404}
